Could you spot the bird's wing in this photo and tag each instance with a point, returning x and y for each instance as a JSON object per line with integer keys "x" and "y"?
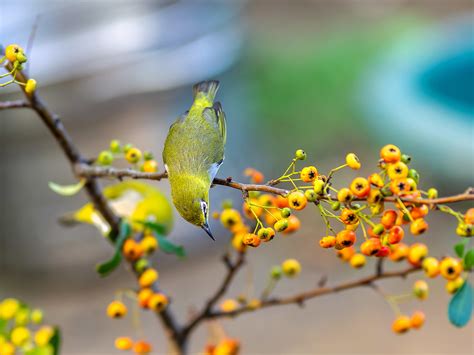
{"x": 216, "y": 116}
{"x": 173, "y": 126}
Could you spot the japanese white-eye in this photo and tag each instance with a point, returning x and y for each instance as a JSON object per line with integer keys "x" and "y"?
{"x": 193, "y": 153}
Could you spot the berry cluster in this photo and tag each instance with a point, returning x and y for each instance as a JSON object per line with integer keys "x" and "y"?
{"x": 144, "y": 161}
{"x": 15, "y": 55}
{"x": 22, "y": 330}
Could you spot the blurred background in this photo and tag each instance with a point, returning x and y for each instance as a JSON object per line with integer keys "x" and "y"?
{"x": 328, "y": 76}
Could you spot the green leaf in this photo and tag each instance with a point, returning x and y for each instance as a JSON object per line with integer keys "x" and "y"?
{"x": 459, "y": 248}
{"x": 110, "y": 265}
{"x": 469, "y": 259}
{"x": 155, "y": 227}
{"x": 460, "y": 306}
{"x": 55, "y": 341}
{"x": 67, "y": 190}
{"x": 170, "y": 248}
{"x": 3, "y": 326}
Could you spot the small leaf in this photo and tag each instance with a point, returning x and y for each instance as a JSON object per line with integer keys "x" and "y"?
{"x": 459, "y": 248}
{"x": 155, "y": 227}
{"x": 3, "y": 327}
{"x": 460, "y": 306}
{"x": 170, "y": 248}
{"x": 55, "y": 341}
{"x": 110, "y": 265}
{"x": 43, "y": 350}
{"x": 67, "y": 190}
{"x": 469, "y": 259}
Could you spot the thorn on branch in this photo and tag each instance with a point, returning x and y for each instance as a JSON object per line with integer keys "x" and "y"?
{"x": 322, "y": 281}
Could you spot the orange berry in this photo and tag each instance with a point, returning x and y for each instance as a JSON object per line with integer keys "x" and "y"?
{"x": 229, "y": 305}
{"x": 123, "y": 343}
{"x": 399, "y": 252}
{"x": 251, "y": 239}
{"x": 401, "y": 324}
{"x": 142, "y": 347}
{"x": 390, "y": 153}
{"x": 297, "y": 200}
{"x": 309, "y": 174}
{"x": 132, "y": 250}
{"x": 399, "y": 186}
{"x": 417, "y": 319}
{"x": 273, "y": 217}
{"x": 143, "y": 296}
{"x": 418, "y": 226}
{"x": 419, "y": 212}
{"x": 375, "y": 196}
{"x": 395, "y": 235}
{"x": 293, "y": 224}
{"x": 116, "y": 309}
{"x": 389, "y": 218}
{"x": 227, "y": 347}
{"x": 257, "y": 177}
{"x": 345, "y": 239}
{"x": 469, "y": 216}
{"x": 281, "y": 202}
{"x": 346, "y": 253}
{"x": 328, "y": 241}
{"x": 360, "y": 187}
{"x": 348, "y": 216}
{"x": 376, "y": 180}
{"x": 371, "y": 246}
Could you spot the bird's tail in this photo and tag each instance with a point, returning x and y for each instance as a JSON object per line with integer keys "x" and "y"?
{"x": 207, "y": 89}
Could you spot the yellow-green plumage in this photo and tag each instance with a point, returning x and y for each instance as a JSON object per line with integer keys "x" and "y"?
{"x": 193, "y": 152}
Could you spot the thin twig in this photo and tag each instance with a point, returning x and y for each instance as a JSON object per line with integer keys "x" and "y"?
{"x": 5, "y": 105}
{"x": 205, "y": 313}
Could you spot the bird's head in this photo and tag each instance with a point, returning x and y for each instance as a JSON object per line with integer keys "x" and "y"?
{"x": 191, "y": 199}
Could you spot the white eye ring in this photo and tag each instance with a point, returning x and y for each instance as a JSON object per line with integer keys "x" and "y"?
{"x": 204, "y": 207}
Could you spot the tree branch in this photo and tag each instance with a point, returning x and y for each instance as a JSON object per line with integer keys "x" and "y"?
{"x": 299, "y": 298}
{"x": 85, "y": 170}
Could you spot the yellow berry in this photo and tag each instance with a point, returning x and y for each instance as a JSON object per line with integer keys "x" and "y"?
{"x": 229, "y": 305}
{"x": 346, "y": 253}
{"x": 148, "y": 277}
{"x": 357, "y": 260}
{"x": 150, "y": 166}
{"x": 318, "y": 186}
{"x": 418, "y": 226}
{"x": 420, "y": 289}
{"x": 453, "y": 285}
{"x": 344, "y": 195}
{"x": 431, "y": 267}
{"x": 30, "y": 86}
{"x": 397, "y": 170}
{"x": 20, "y": 335}
{"x": 266, "y": 234}
{"x": 291, "y": 267}
{"x": 300, "y": 154}
{"x": 8, "y": 308}
{"x": 417, "y": 253}
{"x": 149, "y": 244}
{"x": 309, "y": 174}
{"x": 281, "y": 225}
{"x": 12, "y": 51}
{"x": 297, "y": 200}
{"x": 144, "y": 296}
{"x": 116, "y": 309}
{"x": 348, "y": 216}
{"x": 133, "y": 155}
{"x": 237, "y": 242}
{"x": 390, "y": 153}
{"x": 123, "y": 343}
{"x": 360, "y": 187}
{"x": 353, "y": 161}
{"x": 43, "y": 335}
{"x": 158, "y": 302}
{"x": 450, "y": 268}
{"x": 7, "y": 349}
{"x": 37, "y": 316}
{"x": 230, "y": 217}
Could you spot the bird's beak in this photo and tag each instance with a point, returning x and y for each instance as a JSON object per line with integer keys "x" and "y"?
{"x": 205, "y": 226}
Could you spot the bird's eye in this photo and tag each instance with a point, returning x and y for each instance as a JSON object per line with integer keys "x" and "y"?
{"x": 204, "y": 208}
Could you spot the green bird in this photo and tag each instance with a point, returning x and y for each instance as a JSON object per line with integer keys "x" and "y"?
{"x": 193, "y": 153}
